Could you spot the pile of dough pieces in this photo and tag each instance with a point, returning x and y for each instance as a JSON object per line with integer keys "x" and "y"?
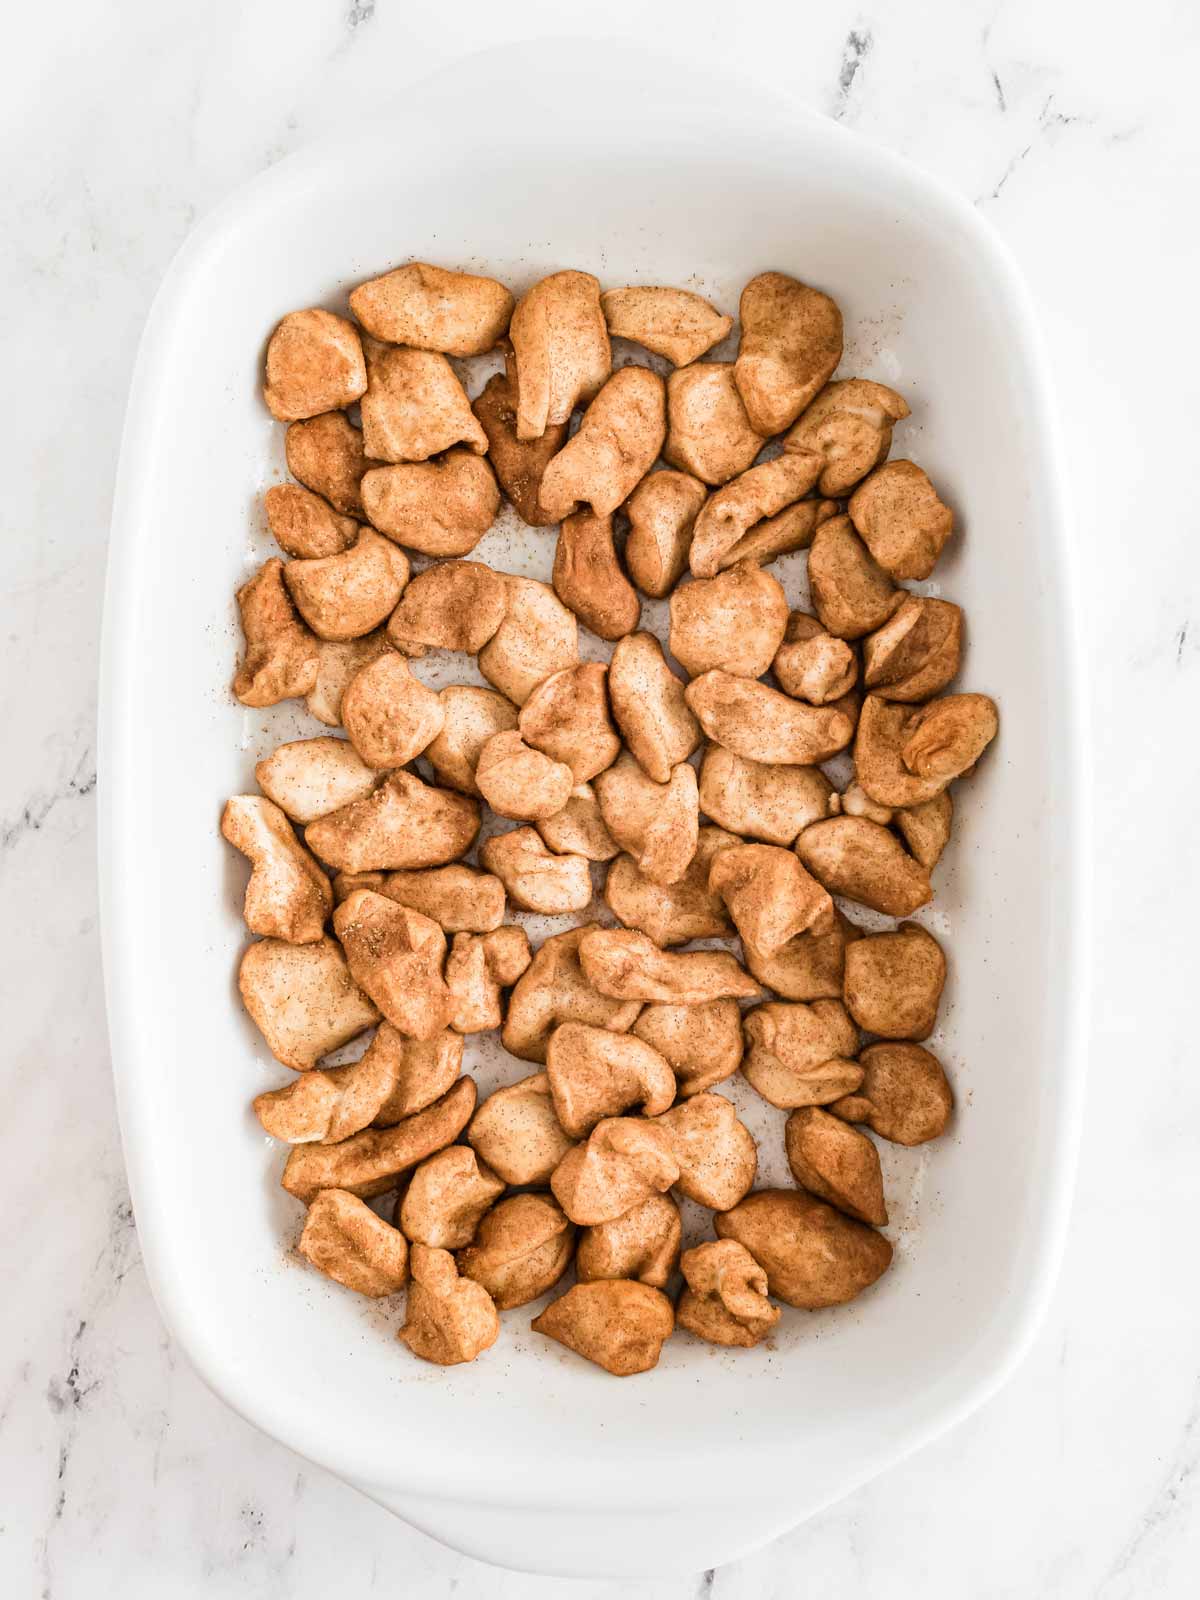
{"x": 695, "y": 777}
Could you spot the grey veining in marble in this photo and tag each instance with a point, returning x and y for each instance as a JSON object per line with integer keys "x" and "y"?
{"x": 1076, "y": 128}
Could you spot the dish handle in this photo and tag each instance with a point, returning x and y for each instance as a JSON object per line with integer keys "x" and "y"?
{"x": 570, "y": 1543}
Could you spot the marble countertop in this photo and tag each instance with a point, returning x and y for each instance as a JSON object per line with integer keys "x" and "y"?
{"x": 1076, "y": 129}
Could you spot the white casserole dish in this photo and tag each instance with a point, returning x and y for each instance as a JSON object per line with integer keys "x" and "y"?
{"x": 529, "y": 1457}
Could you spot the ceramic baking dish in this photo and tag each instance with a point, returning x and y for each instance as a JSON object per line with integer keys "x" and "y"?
{"x": 530, "y": 1457}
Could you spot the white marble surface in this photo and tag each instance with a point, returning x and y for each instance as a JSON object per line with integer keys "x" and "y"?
{"x": 1075, "y": 127}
